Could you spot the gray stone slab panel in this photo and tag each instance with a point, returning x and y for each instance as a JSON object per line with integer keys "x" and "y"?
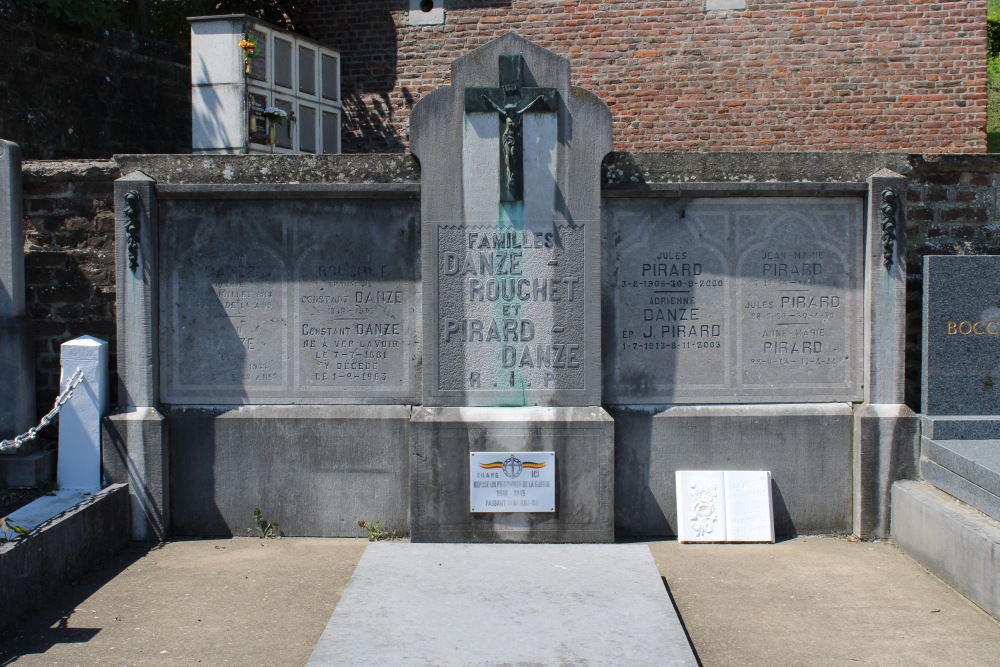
{"x": 960, "y": 487}
{"x": 448, "y": 604}
{"x": 11, "y": 232}
{"x": 442, "y": 438}
{"x": 960, "y": 428}
{"x": 27, "y": 471}
{"x": 17, "y": 368}
{"x": 135, "y": 449}
{"x": 733, "y": 300}
{"x": 806, "y": 447}
{"x": 954, "y": 541}
{"x": 885, "y": 284}
{"x": 137, "y": 290}
{"x": 512, "y": 288}
{"x": 289, "y": 301}
{"x": 886, "y": 449}
{"x": 961, "y": 335}
{"x": 976, "y": 460}
{"x": 17, "y": 341}
{"x": 316, "y": 470}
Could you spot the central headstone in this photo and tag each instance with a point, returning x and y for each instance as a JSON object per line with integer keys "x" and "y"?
{"x": 511, "y": 250}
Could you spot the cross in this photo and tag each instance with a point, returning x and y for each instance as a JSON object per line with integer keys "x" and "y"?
{"x": 511, "y": 100}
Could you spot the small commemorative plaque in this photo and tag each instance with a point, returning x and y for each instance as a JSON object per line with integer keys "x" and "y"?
{"x": 512, "y": 481}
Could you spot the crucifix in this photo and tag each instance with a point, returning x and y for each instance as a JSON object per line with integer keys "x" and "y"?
{"x": 511, "y": 100}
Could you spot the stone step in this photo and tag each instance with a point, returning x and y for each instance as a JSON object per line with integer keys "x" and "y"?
{"x": 27, "y": 471}
{"x": 956, "y": 542}
{"x": 960, "y": 428}
{"x": 516, "y": 604}
{"x": 967, "y": 469}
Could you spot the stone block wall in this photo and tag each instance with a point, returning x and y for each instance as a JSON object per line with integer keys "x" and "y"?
{"x": 781, "y": 75}
{"x": 70, "y": 93}
{"x": 953, "y": 207}
{"x": 69, "y": 235}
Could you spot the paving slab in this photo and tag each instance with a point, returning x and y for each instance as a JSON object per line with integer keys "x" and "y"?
{"x": 504, "y": 604}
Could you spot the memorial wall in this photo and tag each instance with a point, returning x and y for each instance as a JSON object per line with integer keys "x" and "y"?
{"x": 733, "y": 300}
{"x": 340, "y": 338}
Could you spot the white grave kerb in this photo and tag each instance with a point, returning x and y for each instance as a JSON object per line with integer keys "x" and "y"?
{"x": 80, "y": 418}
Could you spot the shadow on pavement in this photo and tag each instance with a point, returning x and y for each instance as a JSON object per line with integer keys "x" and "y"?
{"x": 46, "y": 627}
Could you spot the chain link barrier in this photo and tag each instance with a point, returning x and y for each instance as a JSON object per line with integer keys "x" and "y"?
{"x": 16, "y": 443}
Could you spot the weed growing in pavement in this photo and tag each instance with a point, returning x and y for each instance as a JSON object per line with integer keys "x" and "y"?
{"x": 375, "y": 531}
{"x": 263, "y": 528}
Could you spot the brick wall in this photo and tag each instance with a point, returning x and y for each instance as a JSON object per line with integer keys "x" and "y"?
{"x": 70, "y": 93}
{"x": 69, "y": 263}
{"x": 783, "y": 75}
{"x": 951, "y": 209}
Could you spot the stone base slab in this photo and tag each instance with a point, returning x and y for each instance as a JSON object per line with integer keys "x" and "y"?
{"x": 17, "y": 368}
{"x": 507, "y": 604}
{"x": 135, "y": 450}
{"x": 886, "y": 450}
{"x": 807, "y": 448}
{"x": 60, "y": 550}
{"x": 316, "y": 470}
{"x": 951, "y": 539}
{"x": 960, "y": 428}
{"x": 27, "y": 471}
{"x": 442, "y": 438}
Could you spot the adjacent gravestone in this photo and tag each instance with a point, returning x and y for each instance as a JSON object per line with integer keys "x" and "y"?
{"x": 961, "y": 364}
{"x": 510, "y": 157}
{"x": 24, "y": 467}
{"x": 960, "y": 447}
{"x": 17, "y": 354}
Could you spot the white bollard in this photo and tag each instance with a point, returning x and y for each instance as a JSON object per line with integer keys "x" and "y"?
{"x": 80, "y": 418}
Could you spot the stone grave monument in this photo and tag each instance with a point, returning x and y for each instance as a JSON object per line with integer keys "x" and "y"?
{"x": 510, "y": 159}
{"x": 26, "y": 466}
{"x": 498, "y": 345}
{"x": 950, "y": 521}
{"x": 960, "y": 443}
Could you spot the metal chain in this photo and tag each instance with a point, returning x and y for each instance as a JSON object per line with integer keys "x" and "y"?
{"x": 60, "y": 401}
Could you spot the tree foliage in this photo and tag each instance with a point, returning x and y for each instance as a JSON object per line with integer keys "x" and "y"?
{"x": 166, "y": 20}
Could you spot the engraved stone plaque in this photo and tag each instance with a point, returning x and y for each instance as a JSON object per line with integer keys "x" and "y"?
{"x": 288, "y": 301}
{"x": 511, "y": 309}
{"x": 733, "y": 300}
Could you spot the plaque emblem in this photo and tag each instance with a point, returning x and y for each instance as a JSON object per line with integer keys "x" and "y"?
{"x": 512, "y": 466}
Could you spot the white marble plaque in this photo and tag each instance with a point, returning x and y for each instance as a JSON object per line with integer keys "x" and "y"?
{"x": 701, "y": 508}
{"x": 512, "y": 482}
{"x": 749, "y": 517}
{"x": 724, "y": 506}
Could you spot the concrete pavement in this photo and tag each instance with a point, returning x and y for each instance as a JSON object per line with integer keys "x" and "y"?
{"x": 243, "y": 601}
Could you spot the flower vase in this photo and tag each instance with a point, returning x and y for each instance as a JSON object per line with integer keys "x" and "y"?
{"x": 253, "y": 122}
{"x": 248, "y": 67}
{"x": 271, "y": 136}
